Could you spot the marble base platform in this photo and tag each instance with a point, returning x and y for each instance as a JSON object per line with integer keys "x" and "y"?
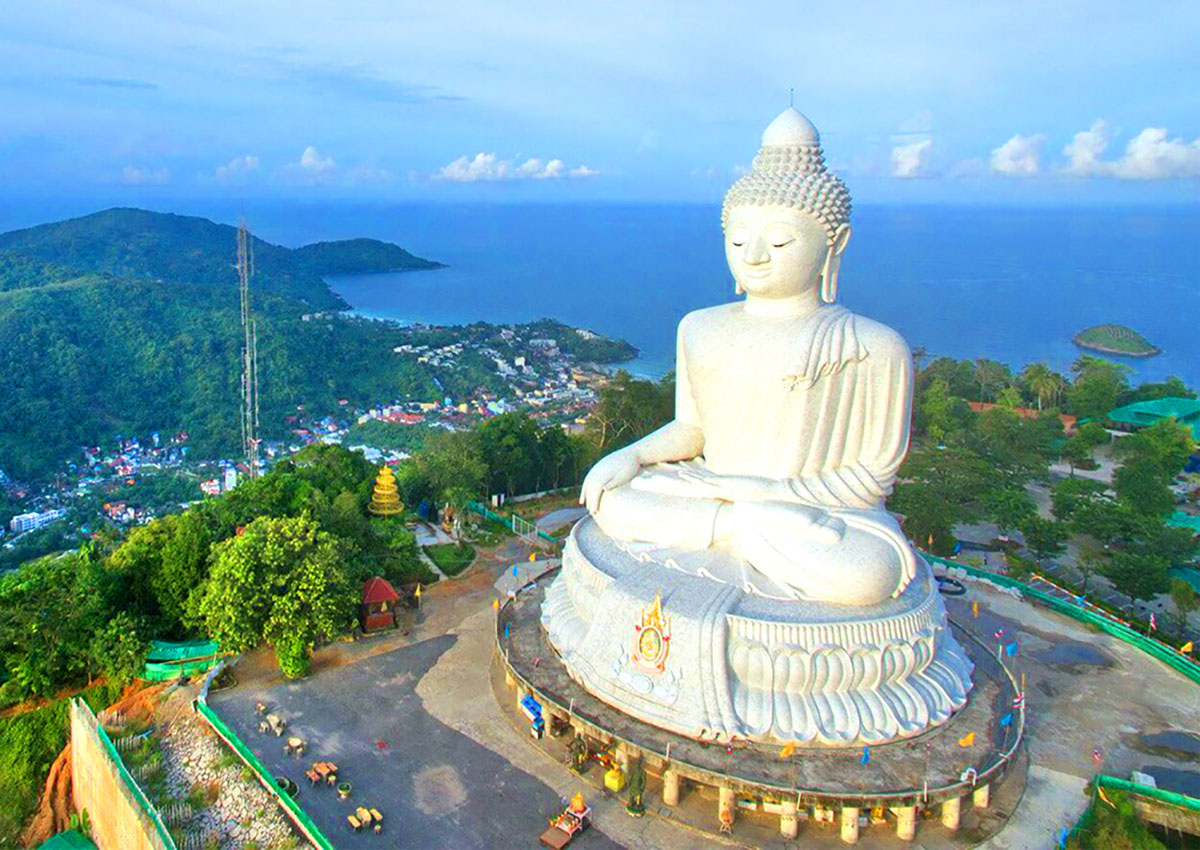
{"x": 730, "y": 660}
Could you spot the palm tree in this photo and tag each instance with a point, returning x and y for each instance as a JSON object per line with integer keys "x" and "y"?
{"x": 1042, "y": 382}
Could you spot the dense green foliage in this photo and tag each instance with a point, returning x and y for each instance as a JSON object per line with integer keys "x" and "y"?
{"x": 29, "y": 743}
{"x": 65, "y": 619}
{"x": 1116, "y": 339}
{"x": 966, "y": 467}
{"x": 128, "y": 321}
{"x": 359, "y": 256}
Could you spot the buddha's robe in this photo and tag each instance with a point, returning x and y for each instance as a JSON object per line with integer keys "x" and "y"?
{"x": 820, "y": 403}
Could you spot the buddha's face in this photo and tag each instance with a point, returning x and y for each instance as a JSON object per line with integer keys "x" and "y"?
{"x": 776, "y": 251}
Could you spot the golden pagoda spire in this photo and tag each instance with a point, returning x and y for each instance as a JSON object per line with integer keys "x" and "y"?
{"x": 385, "y": 500}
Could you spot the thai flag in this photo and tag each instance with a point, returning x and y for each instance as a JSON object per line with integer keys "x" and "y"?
{"x": 1018, "y": 702}
{"x": 1153, "y": 623}
{"x": 999, "y": 634}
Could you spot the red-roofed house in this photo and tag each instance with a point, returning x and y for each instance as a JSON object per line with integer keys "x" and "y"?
{"x": 1067, "y": 420}
{"x": 378, "y": 605}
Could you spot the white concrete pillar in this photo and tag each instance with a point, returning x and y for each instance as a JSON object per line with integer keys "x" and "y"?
{"x": 952, "y": 813}
{"x": 981, "y": 797}
{"x": 906, "y": 822}
{"x": 670, "y": 780}
{"x": 726, "y": 805}
{"x": 850, "y": 824}
{"x": 789, "y": 823}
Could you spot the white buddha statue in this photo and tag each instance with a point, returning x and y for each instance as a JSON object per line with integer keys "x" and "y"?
{"x": 791, "y": 413}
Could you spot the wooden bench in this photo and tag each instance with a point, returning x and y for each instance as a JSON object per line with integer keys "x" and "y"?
{"x": 313, "y": 776}
{"x": 354, "y": 822}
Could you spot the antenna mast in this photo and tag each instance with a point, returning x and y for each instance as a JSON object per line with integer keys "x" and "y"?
{"x": 249, "y": 414}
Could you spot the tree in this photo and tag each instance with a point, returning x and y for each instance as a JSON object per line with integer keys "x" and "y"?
{"x": 119, "y": 649}
{"x": 1098, "y": 386}
{"x": 1076, "y": 452}
{"x": 1141, "y": 484}
{"x": 1185, "y": 601}
{"x": 1045, "y": 385}
{"x": 629, "y": 409}
{"x": 282, "y": 580}
{"x": 1045, "y": 538}
{"x": 1070, "y": 493}
{"x": 935, "y": 412}
{"x": 452, "y": 459}
{"x": 991, "y": 376}
{"x": 1009, "y": 398}
{"x": 510, "y": 447}
{"x": 1137, "y": 575}
{"x": 1087, "y": 566}
{"x": 1009, "y": 507}
{"x": 1167, "y": 444}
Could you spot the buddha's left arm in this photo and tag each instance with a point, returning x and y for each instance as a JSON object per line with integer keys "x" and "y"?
{"x": 866, "y": 452}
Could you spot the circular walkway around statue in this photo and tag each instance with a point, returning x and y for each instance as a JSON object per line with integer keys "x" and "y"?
{"x": 932, "y": 764}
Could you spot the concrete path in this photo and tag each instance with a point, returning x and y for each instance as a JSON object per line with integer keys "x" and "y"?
{"x": 1051, "y": 800}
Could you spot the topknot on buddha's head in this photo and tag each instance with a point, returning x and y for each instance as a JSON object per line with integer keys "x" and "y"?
{"x": 789, "y": 171}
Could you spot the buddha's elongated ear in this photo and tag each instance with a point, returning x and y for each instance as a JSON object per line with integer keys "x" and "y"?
{"x": 840, "y": 237}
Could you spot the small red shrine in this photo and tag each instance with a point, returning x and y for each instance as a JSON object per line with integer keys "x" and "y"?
{"x": 379, "y": 602}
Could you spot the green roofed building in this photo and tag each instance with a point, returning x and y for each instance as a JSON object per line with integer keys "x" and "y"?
{"x": 1143, "y": 413}
{"x": 69, "y": 840}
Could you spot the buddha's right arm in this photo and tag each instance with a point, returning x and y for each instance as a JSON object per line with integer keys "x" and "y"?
{"x": 672, "y": 442}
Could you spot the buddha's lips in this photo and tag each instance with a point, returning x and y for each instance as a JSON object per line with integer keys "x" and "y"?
{"x": 759, "y": 275}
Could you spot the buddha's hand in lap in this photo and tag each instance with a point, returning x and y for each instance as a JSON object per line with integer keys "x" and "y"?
{"x": 609, "y": 473}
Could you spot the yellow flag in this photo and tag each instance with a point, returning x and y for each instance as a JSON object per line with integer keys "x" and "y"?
{"x": 1187, "y": 647}
{"x": 975, "y": 609}
{"x": 967, "y": 740}
{"x": 787, "y": 751}
{"x": 495, "y": 604}
{"x": 417, "y": 592}
{"x": 533, "y": 556}
{"x": 1104, "y": 798}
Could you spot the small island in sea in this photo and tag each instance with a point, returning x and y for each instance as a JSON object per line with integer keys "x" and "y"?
{"x": 1116, "y": 339}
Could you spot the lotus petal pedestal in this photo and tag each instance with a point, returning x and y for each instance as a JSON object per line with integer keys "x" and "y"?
{"x": 699, "y": 644}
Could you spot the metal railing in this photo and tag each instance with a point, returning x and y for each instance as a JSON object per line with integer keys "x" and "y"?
{"x": 994, "y": 771}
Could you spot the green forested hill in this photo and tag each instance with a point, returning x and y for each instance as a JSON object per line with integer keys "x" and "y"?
{"x": 127, "y": 320}
{"x": 185, "y": 250}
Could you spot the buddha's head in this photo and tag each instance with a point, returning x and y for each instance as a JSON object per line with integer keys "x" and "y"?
{"x": 786, "y": 221}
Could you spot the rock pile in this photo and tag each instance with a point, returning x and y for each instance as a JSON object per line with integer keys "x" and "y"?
{"x": 243, "y": 812}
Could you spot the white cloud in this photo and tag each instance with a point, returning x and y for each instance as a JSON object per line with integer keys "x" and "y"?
{"x": 1020, "y": 156}
{"x": 911, "y": 160}
{"x": 237, "y": 167}
{"x": 1084, "y": 151}
{"x": 312, "y": 162}
{"x": 145, "y": 176}
{"x": 1150, "y": 155}
{"x": 489, "y": 167}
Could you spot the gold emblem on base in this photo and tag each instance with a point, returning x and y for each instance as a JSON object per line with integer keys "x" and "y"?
{"x": 652, "y": 638}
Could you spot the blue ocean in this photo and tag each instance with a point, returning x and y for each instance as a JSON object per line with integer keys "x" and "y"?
{"x": 1009, "y": 284}
{"x": 1012, "y": 285}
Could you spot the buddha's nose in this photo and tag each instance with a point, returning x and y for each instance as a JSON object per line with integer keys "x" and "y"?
{"x": 755, "y": 252}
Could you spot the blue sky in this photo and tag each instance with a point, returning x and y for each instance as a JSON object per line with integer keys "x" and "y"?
{"x": 1039, "y": 102}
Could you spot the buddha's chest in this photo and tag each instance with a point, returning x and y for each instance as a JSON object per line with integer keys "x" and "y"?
{"x": 744, "y": 362}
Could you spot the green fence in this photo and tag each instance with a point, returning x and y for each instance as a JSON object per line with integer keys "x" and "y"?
{"x": 161, "y": 650}
{"x": 1162, "y": 652}
{"x": 298, "y": 816}
{"x": 154, "y": 671}
{"x": 487, "y": 512}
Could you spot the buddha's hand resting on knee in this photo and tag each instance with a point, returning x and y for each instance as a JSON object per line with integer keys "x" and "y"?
{"x": 609, "y": 473}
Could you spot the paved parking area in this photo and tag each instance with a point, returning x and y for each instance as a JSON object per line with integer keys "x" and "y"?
{"x": 435, "y": 786}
